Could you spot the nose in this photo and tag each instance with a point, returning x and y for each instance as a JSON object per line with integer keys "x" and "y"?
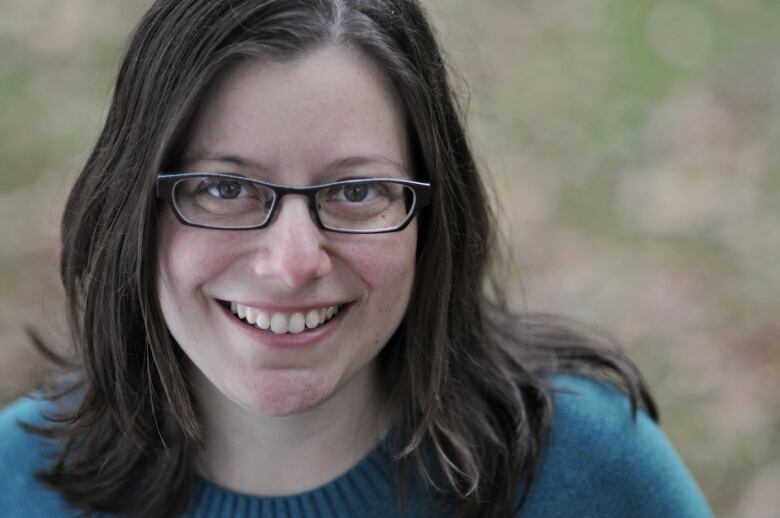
{"x": 292, "y": 245}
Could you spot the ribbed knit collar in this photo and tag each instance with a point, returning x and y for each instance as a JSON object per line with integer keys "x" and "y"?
{"x": 365, "y": 490}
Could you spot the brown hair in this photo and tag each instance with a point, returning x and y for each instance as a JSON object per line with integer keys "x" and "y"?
{"x": 468, "y": 379}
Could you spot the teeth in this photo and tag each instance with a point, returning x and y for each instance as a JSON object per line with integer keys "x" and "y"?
{"x": 312, "y": 319}
{"x": 251, "y": 315}
{"x": 281, "y": 323}
{"x": 263, "y": 320}
{"x": 297, "y": 323}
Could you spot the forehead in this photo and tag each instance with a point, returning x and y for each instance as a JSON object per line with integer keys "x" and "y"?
{"x": 295, "y": 115}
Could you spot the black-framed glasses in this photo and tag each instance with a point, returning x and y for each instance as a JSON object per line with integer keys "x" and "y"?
{"x": 234, "y": 202}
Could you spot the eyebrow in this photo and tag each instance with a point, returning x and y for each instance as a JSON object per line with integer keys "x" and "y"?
{"x": 231, "y": 159}
{"x": 335, "y": 165}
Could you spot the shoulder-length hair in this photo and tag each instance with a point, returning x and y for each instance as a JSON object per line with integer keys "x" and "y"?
{"x": 466, "y": 379}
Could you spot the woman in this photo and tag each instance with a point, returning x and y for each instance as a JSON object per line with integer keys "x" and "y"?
{"x": 275, "y": 260}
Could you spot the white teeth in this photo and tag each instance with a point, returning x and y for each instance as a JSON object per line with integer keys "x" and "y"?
{"x": 263, "y": 320}
{"x": 251, "y": 315}
{"x": 281, "y": 323}
{"x": 297, "y": 323}
{"x": 312, "y": 319}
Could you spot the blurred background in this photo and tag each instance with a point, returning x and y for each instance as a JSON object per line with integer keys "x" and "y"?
{"x": 634, "y": 150}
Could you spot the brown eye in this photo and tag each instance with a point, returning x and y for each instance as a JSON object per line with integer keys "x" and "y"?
{"x": 356, "y": 192}
{"x": 225, "y": 190}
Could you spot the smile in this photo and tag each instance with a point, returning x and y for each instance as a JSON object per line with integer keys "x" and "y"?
{"x": 281, "y": 323}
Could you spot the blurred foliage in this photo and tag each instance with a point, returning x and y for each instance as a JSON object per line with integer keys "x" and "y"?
{"x": 634, "y": 150}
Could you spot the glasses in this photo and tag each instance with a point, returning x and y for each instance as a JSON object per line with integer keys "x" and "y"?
{"x": 233, "y": 202}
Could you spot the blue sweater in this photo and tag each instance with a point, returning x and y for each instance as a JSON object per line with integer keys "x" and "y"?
{"x": 596, "y": 462}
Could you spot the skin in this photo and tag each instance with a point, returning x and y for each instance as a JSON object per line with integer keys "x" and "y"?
{"x": 284, "y": 420}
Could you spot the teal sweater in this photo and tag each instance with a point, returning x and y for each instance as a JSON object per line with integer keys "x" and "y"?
{"x": 597, "y": 461}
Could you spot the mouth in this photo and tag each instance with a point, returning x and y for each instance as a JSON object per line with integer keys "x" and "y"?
{"x": 282, "y": 323}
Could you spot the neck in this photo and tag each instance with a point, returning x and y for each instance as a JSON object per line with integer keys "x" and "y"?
{"x": 269, "y": 455}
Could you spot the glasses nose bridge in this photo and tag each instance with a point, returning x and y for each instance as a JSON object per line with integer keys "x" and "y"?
{"x": 308, "y": 193}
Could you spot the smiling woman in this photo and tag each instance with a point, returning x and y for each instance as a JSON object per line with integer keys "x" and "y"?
{"x": 295, "y": 117}
{"x": 275, "y": 260}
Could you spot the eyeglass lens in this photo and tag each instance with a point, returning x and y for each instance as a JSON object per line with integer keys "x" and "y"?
{"x": 234, "y": 203}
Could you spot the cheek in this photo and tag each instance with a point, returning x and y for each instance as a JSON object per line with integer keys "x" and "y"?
{"x": 386, "y": 265}
{"x": 187, "y": 257}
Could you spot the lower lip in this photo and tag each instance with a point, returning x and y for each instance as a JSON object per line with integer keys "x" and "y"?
{"x": 304, "y": 339}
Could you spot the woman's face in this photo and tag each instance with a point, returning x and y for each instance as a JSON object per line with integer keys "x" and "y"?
{"x": 325, "y": 116}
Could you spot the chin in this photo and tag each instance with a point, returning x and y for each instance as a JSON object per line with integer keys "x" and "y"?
{"x": 281, "y": 393}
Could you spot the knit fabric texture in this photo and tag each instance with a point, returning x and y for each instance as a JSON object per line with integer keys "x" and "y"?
{"x": 596, "y": 462}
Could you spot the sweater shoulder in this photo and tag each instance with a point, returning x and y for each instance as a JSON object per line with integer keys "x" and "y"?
{"x": 601, "y": 461}
{"x": 22, "y": 455}
{"x": 18, "y": 446}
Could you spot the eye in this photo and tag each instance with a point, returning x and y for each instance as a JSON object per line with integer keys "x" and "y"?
{"x": 355, "y": 192}
{"x": 225, "y": 189}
